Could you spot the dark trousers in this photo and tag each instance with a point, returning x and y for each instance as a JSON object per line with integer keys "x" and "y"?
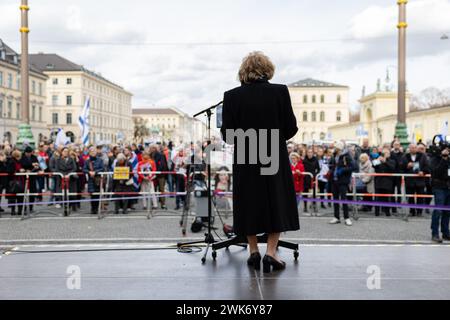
{"x": 94, "y": 203}
{"x": 441, "y": 198}
{"x": 160, "y": 186}
{"x": 386, "y": 210}
{"x": 16, "y": 202}
{"x": 412, "y": 190}
{"x": 180, "y": 188}
{"x": 340, "y": 193}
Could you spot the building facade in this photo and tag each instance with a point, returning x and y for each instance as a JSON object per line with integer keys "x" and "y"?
{"x": 171, "y": 124}
{"x": 68, "y": 87}
{"x": 378, "y": 118}
{"x": 318, "y": 105}
{"x": 10, "y": 98}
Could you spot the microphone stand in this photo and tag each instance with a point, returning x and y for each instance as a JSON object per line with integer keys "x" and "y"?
{"x": 209, "y": 238}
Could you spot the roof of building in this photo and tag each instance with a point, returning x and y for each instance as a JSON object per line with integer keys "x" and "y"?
{"x": 53, "y": 62}
{"x": 312, "y": 83}
{"x": 155, "y": 111}
{"x": 47, "y": 62}
{"x": 12, "y": 57}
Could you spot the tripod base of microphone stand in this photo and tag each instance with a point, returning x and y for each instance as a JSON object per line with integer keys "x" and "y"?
{"x": 209, "y": 240}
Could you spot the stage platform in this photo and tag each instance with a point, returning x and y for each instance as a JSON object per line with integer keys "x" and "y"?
{"x": 323, "y": 272}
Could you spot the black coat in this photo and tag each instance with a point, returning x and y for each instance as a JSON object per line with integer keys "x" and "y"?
{"x": 312, "y": 166}
{"x": 382, "y": 182}
{"x": 262, "y": 203}
{"x": 341, "y": 170}
{"x": 424, "y": 167}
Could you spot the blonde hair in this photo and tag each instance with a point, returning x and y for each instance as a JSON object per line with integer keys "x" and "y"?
{"x": 363, "y": 157}
{"x": 255, "y": 66}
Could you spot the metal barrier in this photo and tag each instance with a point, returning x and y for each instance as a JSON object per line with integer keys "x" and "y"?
{"x": 104, "y": 193}
{"x": 26, "y": 194}
{"x": 404, "y": 196}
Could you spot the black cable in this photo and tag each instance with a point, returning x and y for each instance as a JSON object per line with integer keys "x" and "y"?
{"x": 182, "y": 249}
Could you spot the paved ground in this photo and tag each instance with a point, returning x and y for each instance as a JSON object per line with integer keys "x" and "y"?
{"x": 323, "y": 272}
{"x": 49, "y": 226}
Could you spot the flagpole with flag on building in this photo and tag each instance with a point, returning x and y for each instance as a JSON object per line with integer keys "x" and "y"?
{"x": 83, "y": 121}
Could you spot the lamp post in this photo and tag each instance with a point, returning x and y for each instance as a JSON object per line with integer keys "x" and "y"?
{"x": 25, "y": 134}
{"x": 401, "y": 129}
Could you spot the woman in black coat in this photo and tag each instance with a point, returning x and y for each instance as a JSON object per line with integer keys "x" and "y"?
{"x": 261, "y": 203}
{"x": 384, "y": 184}
{"x": 311, "y": 166}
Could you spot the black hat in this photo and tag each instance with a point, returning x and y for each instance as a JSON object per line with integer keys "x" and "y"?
{"x": 28, "y": 149}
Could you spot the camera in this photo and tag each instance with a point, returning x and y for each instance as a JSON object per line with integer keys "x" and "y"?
{"x": 438, "y": 145}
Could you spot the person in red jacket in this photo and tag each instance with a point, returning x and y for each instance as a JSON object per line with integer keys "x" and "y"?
{"x": 297, "y": 168}
{"x": 145, "y": 178}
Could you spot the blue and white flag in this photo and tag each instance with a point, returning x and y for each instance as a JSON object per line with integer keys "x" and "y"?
{"x": 61, "y": 139}
{"x": 83, "y": 121}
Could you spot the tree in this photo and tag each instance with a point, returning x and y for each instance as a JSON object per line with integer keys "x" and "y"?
{"x": 141, "y": 129}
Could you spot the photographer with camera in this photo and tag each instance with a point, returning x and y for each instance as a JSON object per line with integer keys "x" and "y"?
{"x": 384, "y": 164}
{"x": 417, "y": 164}
{"x": 440, "y": 182}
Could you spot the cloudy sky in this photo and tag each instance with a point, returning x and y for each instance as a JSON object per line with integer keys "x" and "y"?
{"x": 187, "y": 53}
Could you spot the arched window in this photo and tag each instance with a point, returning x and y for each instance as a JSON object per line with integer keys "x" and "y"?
{"x": 305, "y": 99}
{"x": 338, "y": 116}
{"x": 322, "y": 116}
{"x": 314, "y": 99}
{"x": 322, "y": 99}
{"x": 339, "y": 99}
{"x": 313, "y": 116}
{"x": 322, "y": 136}
{"x": 305, "y": 116}
{"x": 305, "y": 137}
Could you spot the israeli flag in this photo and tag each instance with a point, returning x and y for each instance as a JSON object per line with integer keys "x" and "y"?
{"x": 83, "y": 121}
{"x": 61, "y": 138}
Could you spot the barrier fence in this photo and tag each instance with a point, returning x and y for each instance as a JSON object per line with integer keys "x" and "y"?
{"x": 312, "y": 195}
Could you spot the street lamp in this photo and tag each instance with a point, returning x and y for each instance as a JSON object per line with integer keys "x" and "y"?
{"x": 401, "y": 130}
{"x": 25, "y": 134}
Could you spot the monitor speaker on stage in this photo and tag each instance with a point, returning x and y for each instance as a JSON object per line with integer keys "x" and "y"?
{"x": 219, "y": 115}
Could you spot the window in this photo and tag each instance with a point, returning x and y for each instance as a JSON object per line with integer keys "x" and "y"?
{"x": 40, "y": 113}
{"x": 54, "y": 118}
{"x": 10, "y": 80}
{"x": 338, "y": 116}
{"x": 54, "y": 100}
{"x": 1, "y": 79}
{"x": 55, "y": 81}
{"x": 33, "y": 87}
{"x": 68, "y": 118}
{"x": 305, "y": 116}
{"x": 40, "y": 89}
{"x": 69, "y": 100}
{"x": 305, "y": 99}
{"x": 69, "y": 81}
{"x": 322, "y": 99}
{"x": 323, "y": 136}
{"x": 1, "y": 108}
{"x": 9, "y": 114}
{"x": 322, "y": 116}
{"x": 314, "y": 99}
{"x": 33, "y": 113}
{"x": 18, "y": 83}
{"x": 314, "y": 116}
{"x": 17, "y": 110}
{"x": 339, "y": 98}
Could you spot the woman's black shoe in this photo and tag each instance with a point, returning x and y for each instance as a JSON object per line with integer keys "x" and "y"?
{"x": 255, "y": 260}
{"x": 269, "y": 262}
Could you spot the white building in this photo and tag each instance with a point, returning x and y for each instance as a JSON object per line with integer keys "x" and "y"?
{"x": 318, "y": 105}
{"x": 68, "y": 87}
{"x": 10, "y": 97}
{"x": 171, "y": 124}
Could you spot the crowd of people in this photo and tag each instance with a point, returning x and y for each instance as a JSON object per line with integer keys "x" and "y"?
{"x": 83, "y": 170}
{"x": 380, "y": 179}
